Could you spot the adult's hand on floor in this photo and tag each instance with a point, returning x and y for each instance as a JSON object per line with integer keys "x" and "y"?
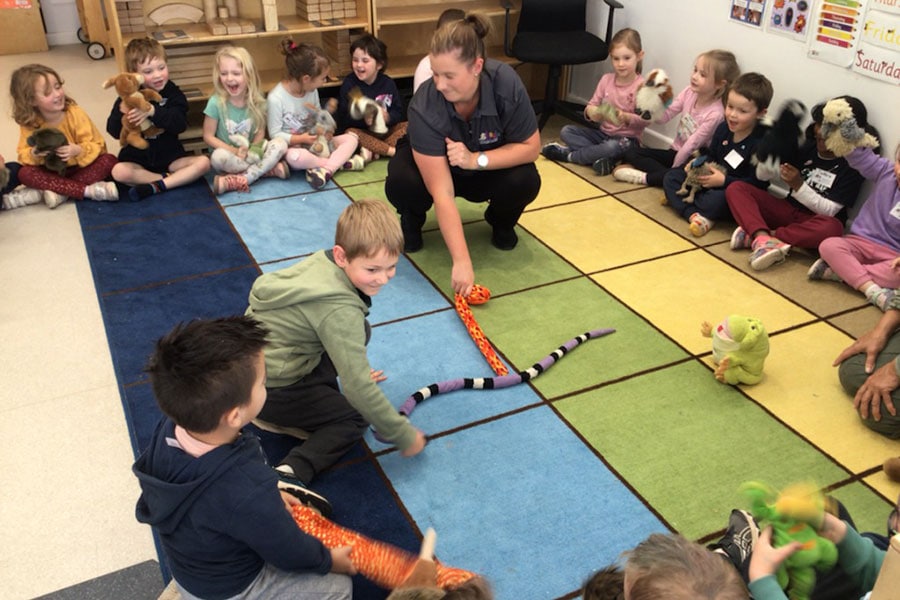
{"x": 877, "y": 390}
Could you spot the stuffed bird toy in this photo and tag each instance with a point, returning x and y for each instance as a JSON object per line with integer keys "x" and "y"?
{"x": 845, "y": 126}
{"x": 740, "y": 347}
{"x": 781, "y": 142}
{"x": 653, "y": 96}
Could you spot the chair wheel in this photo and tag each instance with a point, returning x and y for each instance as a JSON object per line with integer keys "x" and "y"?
{"x": 96, "y": 50}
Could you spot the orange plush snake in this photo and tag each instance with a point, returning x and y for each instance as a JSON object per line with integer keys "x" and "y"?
{"x": 479, "y": 295}
{"x": 382, "y": 563}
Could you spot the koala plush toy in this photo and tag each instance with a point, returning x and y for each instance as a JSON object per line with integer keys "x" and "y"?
{"x": 48, "y": 139}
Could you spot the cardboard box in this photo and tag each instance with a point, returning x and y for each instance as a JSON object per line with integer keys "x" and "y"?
{"x": 23, "y": 29}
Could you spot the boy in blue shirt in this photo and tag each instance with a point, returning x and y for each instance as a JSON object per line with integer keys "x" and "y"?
{"x": 206, "y": 487}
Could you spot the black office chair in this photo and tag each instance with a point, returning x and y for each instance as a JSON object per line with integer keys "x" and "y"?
{"x": 553, "y": 33}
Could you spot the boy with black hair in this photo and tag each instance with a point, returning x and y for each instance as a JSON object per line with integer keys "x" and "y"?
{"x": 164, "y": 164}
{"x": 206, "y": 488}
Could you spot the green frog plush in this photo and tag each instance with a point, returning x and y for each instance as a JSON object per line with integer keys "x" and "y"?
{"x": 794, "y": 514}
{"x": 740, "y": 347}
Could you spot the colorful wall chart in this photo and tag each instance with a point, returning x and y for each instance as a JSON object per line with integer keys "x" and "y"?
{"x": 836, "y": 30}
{"x": 789, "y": 18}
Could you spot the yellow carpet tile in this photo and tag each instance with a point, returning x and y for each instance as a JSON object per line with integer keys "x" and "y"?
{"x": 880, "y": 482}
{"x": 802, "y": 389}
{"x": 559, "y": 185}
{"x": 601, "y": 234}
{"x": 677, "y": 293}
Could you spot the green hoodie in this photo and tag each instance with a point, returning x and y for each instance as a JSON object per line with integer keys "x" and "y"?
{"x": 311, "y": 308}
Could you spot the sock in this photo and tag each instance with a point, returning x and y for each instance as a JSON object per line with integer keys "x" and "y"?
{"x": 760, "y": 241}
{"x": 873, "y": 294}
{"x": 141, "y": 191}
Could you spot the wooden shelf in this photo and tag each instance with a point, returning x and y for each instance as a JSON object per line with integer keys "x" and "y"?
{"x": 386, "y": 14}
{"x": 198, "y": 33}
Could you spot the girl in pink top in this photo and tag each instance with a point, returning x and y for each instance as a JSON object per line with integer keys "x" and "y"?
{"x": 701, "y": 106}
{"x": 620, "y": 129}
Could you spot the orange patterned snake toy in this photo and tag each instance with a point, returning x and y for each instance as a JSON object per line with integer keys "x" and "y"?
{"x": 479, "y": 295}
{"x": 380, "y": 562}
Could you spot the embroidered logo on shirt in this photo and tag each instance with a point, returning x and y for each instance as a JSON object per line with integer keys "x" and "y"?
{"x": 488, "y": 138}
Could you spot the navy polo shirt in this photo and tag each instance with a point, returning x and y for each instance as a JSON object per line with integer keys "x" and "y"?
{"x": 504, "y": 114}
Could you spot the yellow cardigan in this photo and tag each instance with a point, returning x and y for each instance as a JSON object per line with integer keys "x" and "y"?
{"x": 78, "y": 129}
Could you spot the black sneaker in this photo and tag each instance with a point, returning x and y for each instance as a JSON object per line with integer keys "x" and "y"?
{"x": 556, "y": 151}
{"x": 298, "y": 489}
{"x": 739, "y": 539}
{"x": 603, "y": 166}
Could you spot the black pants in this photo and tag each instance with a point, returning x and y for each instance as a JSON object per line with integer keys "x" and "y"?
{"x": 315, "y": 404}
{"x": 508, "y": 190}
{"x": 655, "y": 162}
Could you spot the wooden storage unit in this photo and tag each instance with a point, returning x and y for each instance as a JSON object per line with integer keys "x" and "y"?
{"x": 406, "y": 27}
{"x": 191, "y": 57}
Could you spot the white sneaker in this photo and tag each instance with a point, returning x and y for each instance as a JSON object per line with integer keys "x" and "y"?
{"x": 630, "y": 175}
{"x": 21, "y": 196}
{"x": 102, "y": 191}
{"x": 356, "y": 163}
{"x": 52, "y": 199}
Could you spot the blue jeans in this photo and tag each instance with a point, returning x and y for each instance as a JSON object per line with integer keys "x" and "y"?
{"x": 710, "y": 203}
{"x": 275, "y": 584}
{"x": 587, "y": 145}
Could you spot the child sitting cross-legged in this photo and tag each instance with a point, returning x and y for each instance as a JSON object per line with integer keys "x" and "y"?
{"x": 206, "y": 488}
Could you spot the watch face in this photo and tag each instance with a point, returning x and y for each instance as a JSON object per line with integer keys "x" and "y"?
{"x": 482, "y": 160}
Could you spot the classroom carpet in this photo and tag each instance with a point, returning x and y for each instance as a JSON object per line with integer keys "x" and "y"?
{"x": 534, "y": 486}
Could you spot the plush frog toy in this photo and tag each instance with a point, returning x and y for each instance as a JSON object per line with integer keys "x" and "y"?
{"x": 791, "y": 514}
{"x": 740, "y": 346}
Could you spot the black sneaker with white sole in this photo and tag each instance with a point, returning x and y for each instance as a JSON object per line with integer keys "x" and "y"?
{"x": 739, "y": 539}
{"x": 299, "y": 490}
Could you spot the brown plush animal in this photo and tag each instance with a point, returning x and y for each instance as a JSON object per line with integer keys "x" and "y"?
{"x": 128, "y": 86}
{"x": 47, "y": 140}
{"x": 700, "y": 165}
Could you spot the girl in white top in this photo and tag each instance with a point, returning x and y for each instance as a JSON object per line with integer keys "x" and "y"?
{"x": 289, "y": 106}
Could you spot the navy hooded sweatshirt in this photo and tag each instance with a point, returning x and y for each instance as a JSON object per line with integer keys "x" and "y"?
{"x": 220, "y": 516}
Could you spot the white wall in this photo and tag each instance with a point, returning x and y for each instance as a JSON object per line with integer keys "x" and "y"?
{"x": 674, "y": 33}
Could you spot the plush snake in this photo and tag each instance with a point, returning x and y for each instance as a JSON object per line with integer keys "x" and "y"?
{"x": 494, "y": 383}
{"x": 384, "y": 564}
{"x": 479, "y": 295}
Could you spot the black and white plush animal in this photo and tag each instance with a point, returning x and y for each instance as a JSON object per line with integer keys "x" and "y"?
{"x": 845, "y": 125}
{"x": 653, "y": 96}
{"x": 699, "y": 166}
{"x": 782, "y": 142}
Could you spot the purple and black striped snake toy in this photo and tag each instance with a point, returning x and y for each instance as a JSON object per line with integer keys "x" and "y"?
{"x": 494, "y": 383}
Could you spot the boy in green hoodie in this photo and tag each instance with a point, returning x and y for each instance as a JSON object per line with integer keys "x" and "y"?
{"x": 315, "y": 312}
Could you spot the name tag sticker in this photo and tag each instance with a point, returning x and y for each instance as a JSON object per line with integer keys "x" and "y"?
{"x": 895, "y": 212}
{"x": 823, "y": 180}
{"x": 734, "y": 159}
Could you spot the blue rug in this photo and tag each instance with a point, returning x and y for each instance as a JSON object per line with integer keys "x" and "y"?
{"x": 482, "y": 480}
